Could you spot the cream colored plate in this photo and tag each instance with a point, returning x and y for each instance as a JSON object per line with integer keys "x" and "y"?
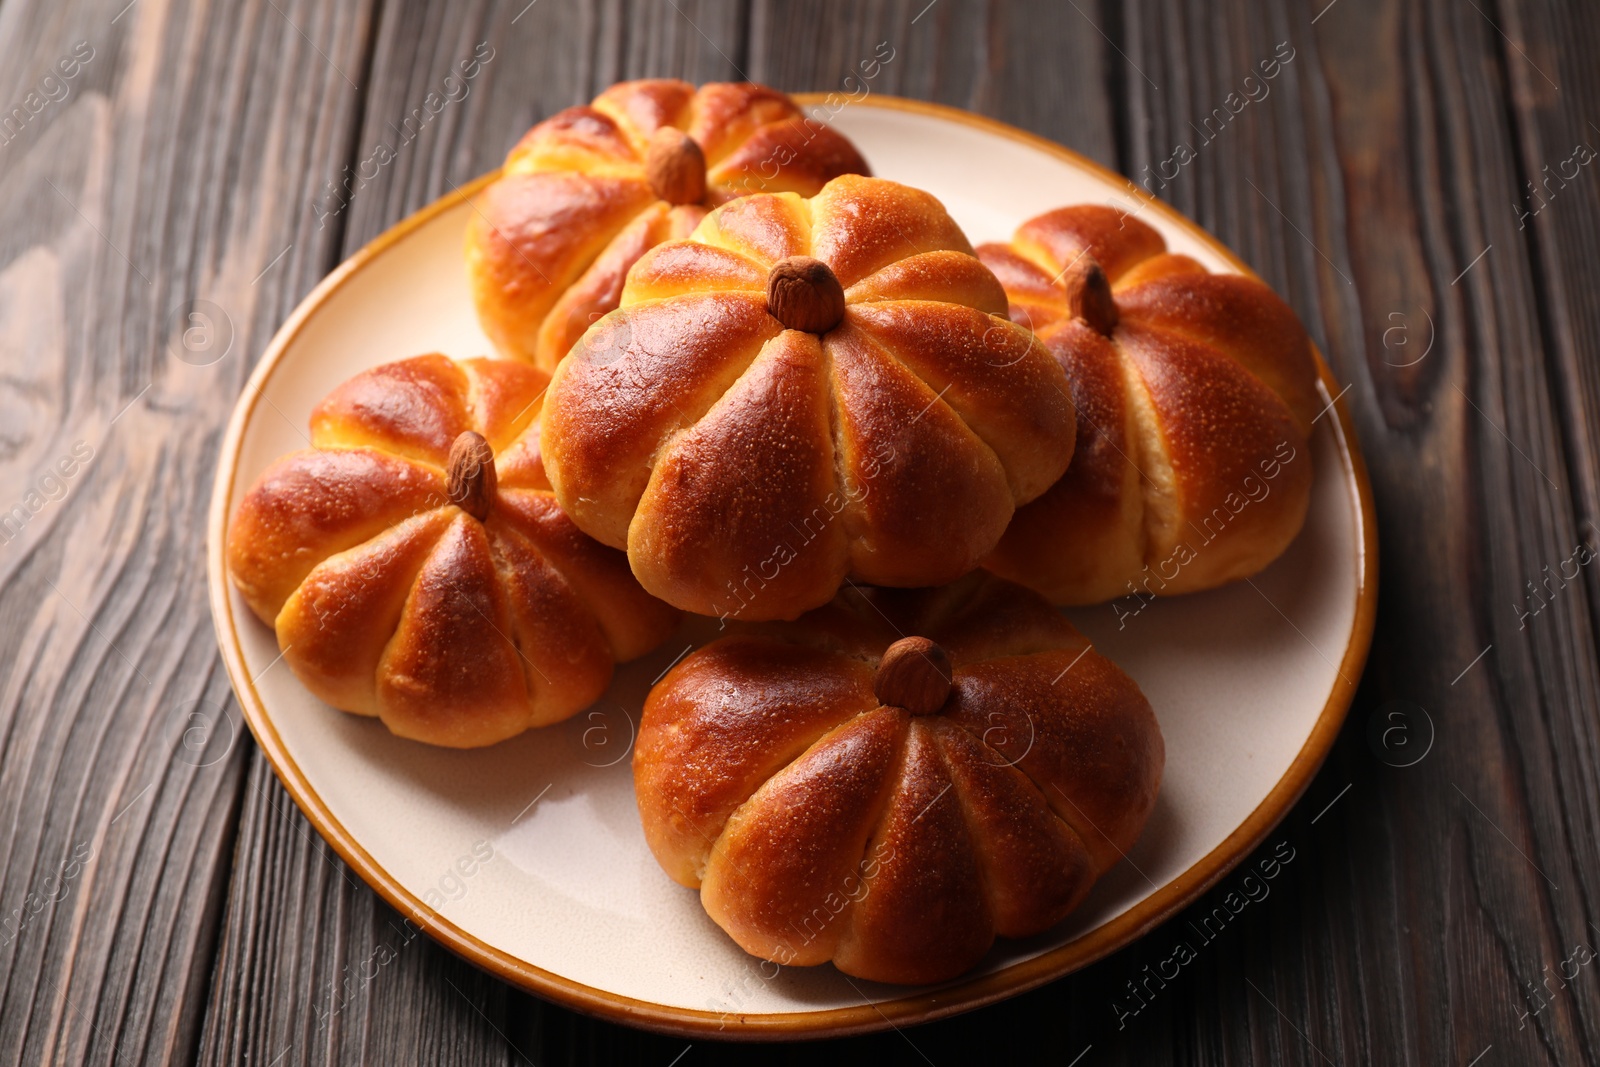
{"x": 528, "y": 858}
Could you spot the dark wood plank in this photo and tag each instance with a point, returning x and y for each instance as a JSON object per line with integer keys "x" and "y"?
{"x": 1545, "y": 46}
{"x": 1038, "y": 66}
{"x": 1365, "y": 188}
{"x": 167, "y": 169}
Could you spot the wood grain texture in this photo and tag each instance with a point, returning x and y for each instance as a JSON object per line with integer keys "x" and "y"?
{"x": 1380, "y": 183}
{"x": 122, "y": 201}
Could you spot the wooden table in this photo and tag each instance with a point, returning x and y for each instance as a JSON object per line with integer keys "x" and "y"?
{"x": 1416, "y": 181}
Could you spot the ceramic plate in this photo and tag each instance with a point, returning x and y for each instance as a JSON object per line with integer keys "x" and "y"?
{"x": 528, "y": 858}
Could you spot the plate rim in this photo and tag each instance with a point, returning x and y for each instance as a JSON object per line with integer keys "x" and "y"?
{"x": 916, "y": 1007}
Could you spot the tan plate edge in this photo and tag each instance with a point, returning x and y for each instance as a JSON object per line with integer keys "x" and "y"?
{"x": 919, "y": 1007}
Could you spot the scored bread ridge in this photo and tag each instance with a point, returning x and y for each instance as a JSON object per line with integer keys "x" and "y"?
{"x": 1193, "y": 410}
{"x": 550, "y": 243}
{"x": 378, "y": 587}
{"x": 690, "y": 418}
{"x": 828, "y": 839}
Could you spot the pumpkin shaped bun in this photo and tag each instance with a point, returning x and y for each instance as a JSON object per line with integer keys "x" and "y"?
{"x": 893, "y": 780}
{"x": 1196, "y": 394}
{"x": 416, "y": 567}
{"x": 588, "y": 190}
{"x": 806, "y": 391}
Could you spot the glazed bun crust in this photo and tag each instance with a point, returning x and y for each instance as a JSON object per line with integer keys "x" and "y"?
{"x": 820, "y": 824}
{"x": 391, "y": 601}
{"x": 747, "y": 468}
{"x": 1193, "y": 465}
{"x": 550, "y": 243}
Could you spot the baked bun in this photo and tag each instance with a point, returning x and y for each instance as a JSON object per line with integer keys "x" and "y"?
{"x": 1195, "y": 394}
{"x": 416, "y": 566}
{"x": 587, "y": 191}
{"x": 804, "y": 391}
{"x": 838, "y": 791}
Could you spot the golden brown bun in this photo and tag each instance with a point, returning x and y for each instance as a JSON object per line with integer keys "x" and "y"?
{"x": 549, "y": 243}
{"x": 819, "y": 824}
{"x": 1192, "y": 466}
{"x": 749, "y": 469}
{"x": 389, "y": 600}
